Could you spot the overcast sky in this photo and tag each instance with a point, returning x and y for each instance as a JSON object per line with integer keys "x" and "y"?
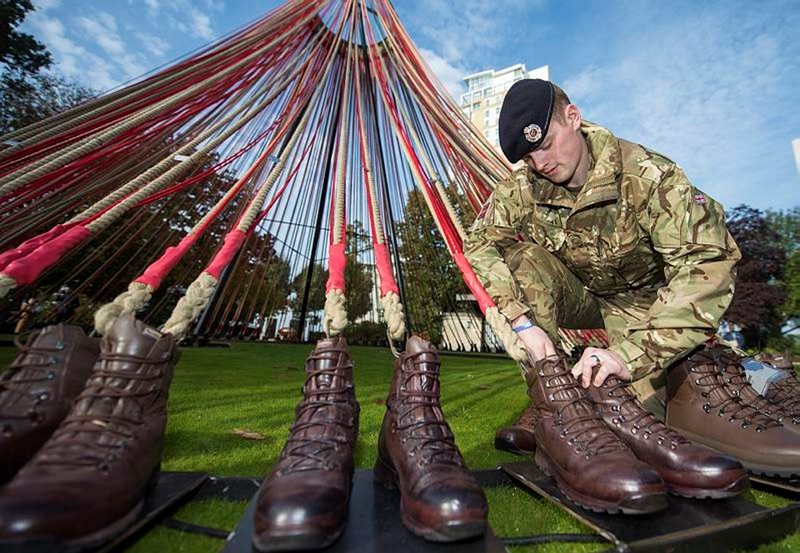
{"x": 714, "y": 85}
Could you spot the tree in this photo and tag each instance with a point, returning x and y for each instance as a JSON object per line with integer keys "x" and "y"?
{"x": 25, "y": 98}
{"x": 432, "y": 280}
{"x": 20, "y": 51}
{"x": 758, "y": 297}
{"x": 357, "y": 275}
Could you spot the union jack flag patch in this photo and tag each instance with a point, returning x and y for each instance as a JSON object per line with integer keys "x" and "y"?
{"x": 700, "y": 199}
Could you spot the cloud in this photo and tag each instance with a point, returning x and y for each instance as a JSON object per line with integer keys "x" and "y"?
{"x": 44, "y": 5}
{"x": 153, "y": 44}
{"x": 450, "y": 75}
{"x": 695, "y": 91}
{"x": 74, "y": 60}
{"x": 200, "y": 24}
{"x": 102, "y": 28}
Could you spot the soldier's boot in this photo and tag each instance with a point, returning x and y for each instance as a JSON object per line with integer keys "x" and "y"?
{"x": 39, "y": 388}
{"x": 440, "y": 500}
{"x": 590, "y": 464}
{"x": 88, "y": 481}
{"x": 786, "y": 410}
{"x": 688, "y": 469}
{"x": 303, "y": 503}
{"x": 785, "y": 393}
{"x": 518, "y": 438}
{"x": 701, "y": 407}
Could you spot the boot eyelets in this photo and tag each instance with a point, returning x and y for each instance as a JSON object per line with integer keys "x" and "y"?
{"x": 59, "y": 345}
{"x": 615, "y": 408}
{"x": 51, "y": 375}
{"x": 697, "y": 381}
{"x": 635, "y": 430}
{"x": 646, "y": 434}
{"x": 660, "y": 440}
{"x": 745, "y": 424}
{"x": 707, "y": 407}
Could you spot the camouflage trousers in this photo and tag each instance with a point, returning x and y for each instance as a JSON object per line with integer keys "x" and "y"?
{"x": 557, "y": 298}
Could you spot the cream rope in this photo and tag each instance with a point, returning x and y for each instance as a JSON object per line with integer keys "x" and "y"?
{"x": 335, "y": 317}
{"x": 132, "y": 300}
{"x": 394, "y": 315}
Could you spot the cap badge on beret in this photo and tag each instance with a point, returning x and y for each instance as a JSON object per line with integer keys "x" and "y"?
{"x": 532, "y": 132}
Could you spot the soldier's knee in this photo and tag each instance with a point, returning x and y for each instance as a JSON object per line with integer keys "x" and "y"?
{"x": 527, "y": 254}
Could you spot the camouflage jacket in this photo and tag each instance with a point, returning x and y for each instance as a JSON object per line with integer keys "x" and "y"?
{"x": 637, "y": 223}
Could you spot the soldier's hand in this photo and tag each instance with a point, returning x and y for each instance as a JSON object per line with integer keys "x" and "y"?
{"x": 609, "y": 363}
{"x": 537, "y": 342}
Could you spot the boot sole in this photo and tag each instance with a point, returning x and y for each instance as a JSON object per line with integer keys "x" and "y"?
{"x": 762, "y": 470}
{"x": 385, "y": 475}
{"x": 641, "y": 504}
{"x": 293, "y": 542}
{"x": 503, "y": 445}
{"x": 737, "y": 487}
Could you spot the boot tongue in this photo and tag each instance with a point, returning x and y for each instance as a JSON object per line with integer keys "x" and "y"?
{"x": 127, "y": 338}
{"x": 424, "y": 360}
{"x": 564, "y": 387}
{"x": 328, "y": 369}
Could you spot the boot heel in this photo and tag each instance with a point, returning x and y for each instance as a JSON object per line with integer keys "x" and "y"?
{"x": 385, "y": 474}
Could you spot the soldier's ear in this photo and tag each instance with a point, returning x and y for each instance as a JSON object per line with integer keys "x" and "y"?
{"x": 573, "y": 116}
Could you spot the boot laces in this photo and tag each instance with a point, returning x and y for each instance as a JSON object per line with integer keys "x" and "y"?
{"x": 431, "y": 435}
{"x": 644, "y": 420}
{"x": 78, "y": 441}
{"x": 302, "y": 452}
{"x": 24, "y": 371}
{"x": 710, "y": 376}
{"x": 567, "y": 391}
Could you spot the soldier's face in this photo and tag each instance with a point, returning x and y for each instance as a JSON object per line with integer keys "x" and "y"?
{"x": 558, "y": 156}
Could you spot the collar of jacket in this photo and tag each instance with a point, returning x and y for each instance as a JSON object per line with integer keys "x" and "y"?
{"x": 601, "y": 185}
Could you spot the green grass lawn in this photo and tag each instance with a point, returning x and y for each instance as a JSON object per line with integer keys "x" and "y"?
{"x": 256, "y": 386}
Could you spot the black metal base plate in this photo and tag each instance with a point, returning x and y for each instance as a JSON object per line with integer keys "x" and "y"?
{"x": 789, "y": 487}
{"x": 373, "y": 524}
{"x": 686, "y": 525}
{"x": 169, "y": 491}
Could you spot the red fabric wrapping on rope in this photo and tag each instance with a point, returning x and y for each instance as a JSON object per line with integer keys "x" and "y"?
{"x": 27, "y": 269}
{"x": 233, "y": 241}
{"x": 336, "y": 265}
{"x": 472, "y": 282}
{"x": 29, "y": 245}
{"x": 384, "y": 263}
{"x": 155, "y": 273}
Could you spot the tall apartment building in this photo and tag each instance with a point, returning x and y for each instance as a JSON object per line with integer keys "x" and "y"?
{"x": 485, "y": 91}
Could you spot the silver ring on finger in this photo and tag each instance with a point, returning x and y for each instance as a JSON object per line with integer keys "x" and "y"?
{"x": 596, "y": 360}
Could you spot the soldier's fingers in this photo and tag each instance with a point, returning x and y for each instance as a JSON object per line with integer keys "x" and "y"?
{"x": 577, "y": 369}
{"x": 601, "y": 375}
{"x": 549, "y": 349}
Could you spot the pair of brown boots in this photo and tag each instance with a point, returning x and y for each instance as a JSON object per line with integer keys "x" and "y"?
{"x": 82, "y": 425}
{"x": 608, "y": 453}
{"x": 709, "y": 400}
{"x": 303, "y": 503}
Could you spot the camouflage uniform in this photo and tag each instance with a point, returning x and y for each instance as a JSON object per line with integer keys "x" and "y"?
{"x": 638, "y": 251}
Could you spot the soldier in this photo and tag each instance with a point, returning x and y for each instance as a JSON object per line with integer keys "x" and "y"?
{"x": 599, "y": 232}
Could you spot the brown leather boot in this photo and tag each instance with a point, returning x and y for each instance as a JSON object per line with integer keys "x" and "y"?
{"x": 38, "y": 390}
{"x": 303, "y": 503}
{"x": 688, "y": 469}
{"x": 591, "y": 466}
{"x": 87, "y": 483}
{"x": 518, "y": 439}
{"x": 786, "y": 412}
{"x": 440, "y": 500}
{"x": 702, "y": 408}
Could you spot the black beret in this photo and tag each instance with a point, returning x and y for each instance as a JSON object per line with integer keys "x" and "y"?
{"x": 525, "y": 117}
